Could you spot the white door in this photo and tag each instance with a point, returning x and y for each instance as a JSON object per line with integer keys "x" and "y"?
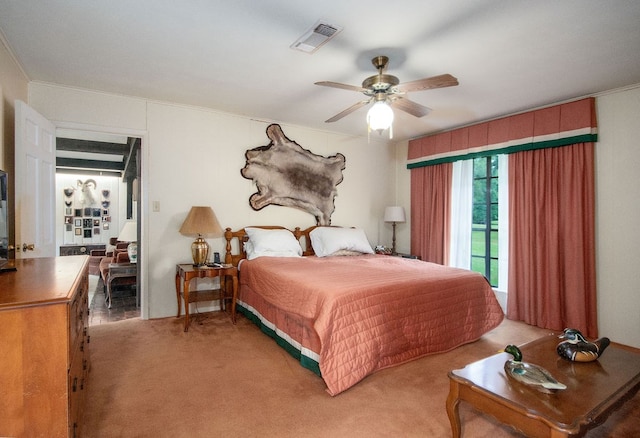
{"x": 34, "y": 183}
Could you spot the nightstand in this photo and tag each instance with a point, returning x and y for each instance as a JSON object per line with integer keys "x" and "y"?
{"x": 187, "y": 272}
{"x": 406, "y": 256}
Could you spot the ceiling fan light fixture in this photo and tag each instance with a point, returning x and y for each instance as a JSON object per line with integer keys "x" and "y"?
{"x": 380, "y": 118}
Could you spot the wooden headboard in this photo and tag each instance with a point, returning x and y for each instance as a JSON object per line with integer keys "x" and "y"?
{"x": 234, "y": 251}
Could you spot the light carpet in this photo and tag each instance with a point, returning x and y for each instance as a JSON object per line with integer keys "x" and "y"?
{"x": 150, "y": 379}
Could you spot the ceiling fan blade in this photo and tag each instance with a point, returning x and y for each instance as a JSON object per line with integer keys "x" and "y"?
{"x": 348, "y": 111}
{"x": 341, "y": 86}
{"x": 441, "y": 81}
{"x": 411, "y": 107}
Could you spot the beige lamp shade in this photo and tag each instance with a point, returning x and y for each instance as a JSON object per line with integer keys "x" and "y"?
{"x": 200, "y": 222}
{"x": 129, "y": 232}
{"x": 394, "y": 214}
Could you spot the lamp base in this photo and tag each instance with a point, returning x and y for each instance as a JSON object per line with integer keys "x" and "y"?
{"x": 393, "y": 242}
{"x": 200, "y": 251}
{"x": 132, "y": 251}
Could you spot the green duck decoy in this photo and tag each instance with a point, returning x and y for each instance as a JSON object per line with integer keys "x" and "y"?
{"x": 576, "y": 348}
{"x": 530, "y": 374}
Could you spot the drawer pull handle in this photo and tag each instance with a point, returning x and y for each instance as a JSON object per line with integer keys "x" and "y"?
{"x": 75, "y": 384}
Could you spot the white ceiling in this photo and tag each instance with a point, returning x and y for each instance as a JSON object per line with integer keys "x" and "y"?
{"x": 234, "y": 56}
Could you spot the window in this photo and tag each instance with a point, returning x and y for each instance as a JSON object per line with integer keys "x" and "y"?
{"x": 484, "y": 228}
{"x": 480, "y": 218}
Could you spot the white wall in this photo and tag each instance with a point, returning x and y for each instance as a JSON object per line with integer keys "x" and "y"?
{"x": 116, "y": 208}
{"x": 13, "y": 85}
{"x": 402, "y": 196}
{"x": 618, "y": 216}
{"x": 193, "y": 156}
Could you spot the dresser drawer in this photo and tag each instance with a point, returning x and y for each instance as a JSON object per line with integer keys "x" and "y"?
{"x": 77, "y": 389}
{"x": 78, "y": 317}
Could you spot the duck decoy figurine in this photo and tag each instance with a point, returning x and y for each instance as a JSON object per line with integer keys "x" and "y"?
{"x": 530, "y": 374}
{"x": 576, "y": 348}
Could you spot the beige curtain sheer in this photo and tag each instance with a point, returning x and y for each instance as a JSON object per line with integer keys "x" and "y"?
{"x": 552, "y": 280}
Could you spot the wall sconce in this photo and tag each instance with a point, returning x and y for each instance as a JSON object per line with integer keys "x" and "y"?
{"x": 200, "y": 222}
{"x": 394, "y": 215}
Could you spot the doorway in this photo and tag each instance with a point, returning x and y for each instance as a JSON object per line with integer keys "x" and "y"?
{"x": 107, "y": 168}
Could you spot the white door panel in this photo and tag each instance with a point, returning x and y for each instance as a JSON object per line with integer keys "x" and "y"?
{"x": 34, "y": 183}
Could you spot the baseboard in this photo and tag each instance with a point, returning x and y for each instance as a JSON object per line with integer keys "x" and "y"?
{"x": 502, "y": 299}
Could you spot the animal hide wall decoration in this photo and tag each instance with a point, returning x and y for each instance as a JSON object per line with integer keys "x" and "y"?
{"x": 290, "y": 176}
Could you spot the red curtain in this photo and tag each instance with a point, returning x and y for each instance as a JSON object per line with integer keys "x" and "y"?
{"x": 430, "y": 212}
{"x": 552, "y": 277}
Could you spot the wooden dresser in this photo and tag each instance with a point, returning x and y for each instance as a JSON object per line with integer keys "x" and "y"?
{"x": 44, "y": 356}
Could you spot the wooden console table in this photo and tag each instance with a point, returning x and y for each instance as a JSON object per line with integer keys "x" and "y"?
{"x": 69, "y": 250}
{"x": 594, "y": 390}
{"x": 187, "y": 272}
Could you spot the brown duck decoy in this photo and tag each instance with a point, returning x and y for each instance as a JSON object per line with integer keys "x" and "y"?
{"x": 577, "y": 348}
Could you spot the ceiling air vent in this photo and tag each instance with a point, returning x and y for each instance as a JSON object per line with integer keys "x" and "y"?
{"x": 315, "y": 37}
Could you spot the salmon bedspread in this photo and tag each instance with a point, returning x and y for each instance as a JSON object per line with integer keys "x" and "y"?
{"x": 347, "y": 317}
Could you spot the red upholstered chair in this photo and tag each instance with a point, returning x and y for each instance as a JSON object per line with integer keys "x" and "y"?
{"x": 95, "y": 257}
{"x": 118, "y": 255}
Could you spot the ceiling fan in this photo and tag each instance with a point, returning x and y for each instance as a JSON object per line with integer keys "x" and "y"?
{"x": 387, "y": 88}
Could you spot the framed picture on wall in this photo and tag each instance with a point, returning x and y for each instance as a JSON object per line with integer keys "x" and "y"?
{"x": 96, "y": 231}
{"x": 96, "y": 222}
{"x": 105, "y": 225}
{"x": 87, "y": 223}
{"x": 105, "y": 212}
{"x": 68, "y": 211}
{"x": 78, "y": 231}
{"x": 77, "y": 212}
{"x": 87, "y": 211}
{"x": 77, "y": 222}
{"x": 68, "y": 227}
{"x": 68, "y": 219}
{"x": 87, "y": 233}
{"x": 95, "y": 212}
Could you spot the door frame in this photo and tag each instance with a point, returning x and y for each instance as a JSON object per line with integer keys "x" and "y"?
{"x": 143, "y": 210}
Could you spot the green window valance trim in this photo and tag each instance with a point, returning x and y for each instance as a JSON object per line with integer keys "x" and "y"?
{"x": 501, "y": 149}
{"x": 559, "y": 125}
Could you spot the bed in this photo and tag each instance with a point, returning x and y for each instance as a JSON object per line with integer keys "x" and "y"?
{"x": 345, "y": 312}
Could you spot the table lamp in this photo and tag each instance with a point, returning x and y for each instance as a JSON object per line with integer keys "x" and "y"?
{"x": 129, "y": 233}
{"x": 394, "y": 215}
{"x": 200, "y": 222}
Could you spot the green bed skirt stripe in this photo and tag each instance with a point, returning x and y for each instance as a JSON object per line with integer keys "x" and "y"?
{"x": 256, "y": 318}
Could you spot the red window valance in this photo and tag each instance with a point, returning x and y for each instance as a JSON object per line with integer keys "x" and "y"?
{"x": 559, "y": 125}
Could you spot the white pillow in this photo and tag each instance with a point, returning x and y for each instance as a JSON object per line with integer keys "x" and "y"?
{"x": 271, "y": 243}
{"x": 328, "y": 240}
